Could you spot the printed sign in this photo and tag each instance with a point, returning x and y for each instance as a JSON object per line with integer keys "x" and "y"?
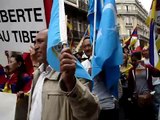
{"x": 8, "y": 106}
{"x": 20, "y": 20}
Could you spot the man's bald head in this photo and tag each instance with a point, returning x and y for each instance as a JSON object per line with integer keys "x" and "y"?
{"x": 41, "y": 45}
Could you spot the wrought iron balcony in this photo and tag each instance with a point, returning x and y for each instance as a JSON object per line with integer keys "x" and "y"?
{"x": 76, "y": 35}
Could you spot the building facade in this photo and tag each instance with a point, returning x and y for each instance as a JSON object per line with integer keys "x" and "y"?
{"x": 76, "y": 13}
{"x": 131, "y": 14}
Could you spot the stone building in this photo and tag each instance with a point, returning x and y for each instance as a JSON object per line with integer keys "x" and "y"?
{"x": 76, "y": 13}
{"x": 131, "y": 14}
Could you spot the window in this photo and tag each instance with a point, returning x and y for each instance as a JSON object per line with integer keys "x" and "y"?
{"x": 126, "y": 7}
{"x": 118, "y": 7}
{"x": 128, "y": 31}
{"x": 74, "y": 24}
{"x": 85, "y": 27}
{"x": 127, "y": 19}
{"x": 79, "y": 27}
{"x": 133, "y": 8}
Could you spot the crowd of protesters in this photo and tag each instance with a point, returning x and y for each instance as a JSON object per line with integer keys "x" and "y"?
{"x": 139, "y": 96}
{"x": 138, "y": 86}
{"x": 139, "y": 100}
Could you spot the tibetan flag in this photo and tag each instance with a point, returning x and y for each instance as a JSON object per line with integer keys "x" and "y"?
{"x": 57, "y": 37}
{"x": 108, "y": 50}
{"x": 155, "y": 35}
{"x": 152, "y": 13}
{"x": 134, "y": 41}
{"x": 126, "y": 41}
{"x": 134, "y": 37}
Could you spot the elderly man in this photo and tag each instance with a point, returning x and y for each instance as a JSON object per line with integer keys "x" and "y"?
{"x": 106, "y": 99}
{"x": 87, "y": 49}
{"x": 59, "y": 96}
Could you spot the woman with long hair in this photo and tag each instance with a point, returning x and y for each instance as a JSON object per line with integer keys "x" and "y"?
{"x": 18, "y": 78}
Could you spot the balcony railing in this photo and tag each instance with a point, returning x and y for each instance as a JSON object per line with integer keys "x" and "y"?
{"x": 129, "y": 12}
{"x": 77, "y": 35}
{"x": 128, "y": 24}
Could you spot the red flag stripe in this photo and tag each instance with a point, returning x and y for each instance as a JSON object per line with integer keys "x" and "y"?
{"x": 48, "y": 7}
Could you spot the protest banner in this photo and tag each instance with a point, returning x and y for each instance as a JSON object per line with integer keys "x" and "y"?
{"x": 20, "y": 21}
{"x": 8, "y": 106}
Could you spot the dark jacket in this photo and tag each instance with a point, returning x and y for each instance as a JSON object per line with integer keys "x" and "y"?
{"x": 151, "y": 72}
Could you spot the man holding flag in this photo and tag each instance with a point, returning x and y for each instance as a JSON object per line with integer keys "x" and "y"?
{"x": 59, "y": 95}
{"x": 56, "y": 93}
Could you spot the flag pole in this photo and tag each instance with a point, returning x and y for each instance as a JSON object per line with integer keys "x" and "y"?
{"x": 81, "y": 41}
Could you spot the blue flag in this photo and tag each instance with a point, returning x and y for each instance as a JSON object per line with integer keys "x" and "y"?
{"x": 57, "y": 36}
{"x": 108, "y": 51}
{"x": 91, "y": 14}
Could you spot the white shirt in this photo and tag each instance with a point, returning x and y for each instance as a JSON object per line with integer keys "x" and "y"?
{"x": 86, "y": 64}
{"x": 36, "y": 105}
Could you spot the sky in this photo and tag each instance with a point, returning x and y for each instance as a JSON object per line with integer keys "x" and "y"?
{"x": 146, "y": 4}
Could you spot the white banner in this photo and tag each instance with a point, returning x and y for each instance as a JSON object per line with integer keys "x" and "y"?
{"x": 20, "y": 20}
{"x": 7, "y": 106}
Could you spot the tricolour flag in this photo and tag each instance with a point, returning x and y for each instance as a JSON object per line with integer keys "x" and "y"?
{"x": 108, "y": 51}
{"x": 154, "y": 41}
{"x": 126, "y": 41}
{"x": 57, "y": 37}
{"x": 152, "y": 13}
{"x": 134, "y": 41}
